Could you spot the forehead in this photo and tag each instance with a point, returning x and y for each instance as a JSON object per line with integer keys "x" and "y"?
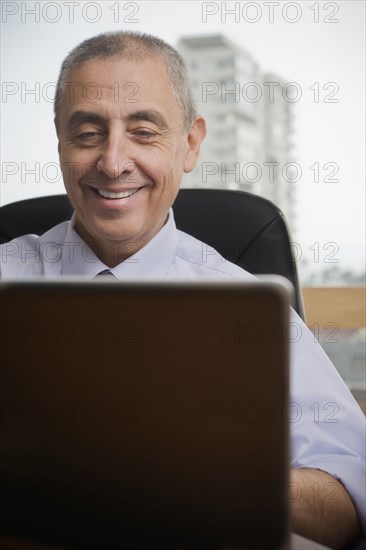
{"x": 119, "y": 84}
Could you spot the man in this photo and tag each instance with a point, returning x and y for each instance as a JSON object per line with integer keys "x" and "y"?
{"x": 127, "y": 131}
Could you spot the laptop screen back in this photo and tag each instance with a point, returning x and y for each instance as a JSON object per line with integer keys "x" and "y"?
{"x": 139, "y": 415}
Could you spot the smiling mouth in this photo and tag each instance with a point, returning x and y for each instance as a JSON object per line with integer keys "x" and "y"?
{"x": 114, "y": 196}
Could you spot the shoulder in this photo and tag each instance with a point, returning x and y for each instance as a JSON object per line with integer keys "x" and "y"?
{"x": 32, "y": 255}
{"x": 198, "y": 259}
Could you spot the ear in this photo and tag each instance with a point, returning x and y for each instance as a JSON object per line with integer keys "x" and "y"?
{"x": 57, "y": 133}
{"x": 195, "y": 137}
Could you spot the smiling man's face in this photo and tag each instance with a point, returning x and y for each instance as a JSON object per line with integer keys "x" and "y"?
{"x": 123, "y": 150}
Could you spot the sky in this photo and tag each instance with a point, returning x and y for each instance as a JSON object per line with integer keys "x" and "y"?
{"x": 318, "y": 45}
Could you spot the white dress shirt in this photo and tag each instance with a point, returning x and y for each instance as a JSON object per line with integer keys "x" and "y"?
{"x": 327, "y": 426}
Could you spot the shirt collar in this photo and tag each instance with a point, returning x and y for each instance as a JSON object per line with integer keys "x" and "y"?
{"x": 150, "y": 262}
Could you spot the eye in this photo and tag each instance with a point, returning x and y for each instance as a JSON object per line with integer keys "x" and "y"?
{"x": 143, "y": 133}
{"x": 88, "y": 138}
{"x": 87, "y": 135}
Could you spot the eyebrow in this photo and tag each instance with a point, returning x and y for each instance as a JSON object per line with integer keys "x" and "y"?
{"x": 78, "y": 117}
{"x": 150, "y": 115}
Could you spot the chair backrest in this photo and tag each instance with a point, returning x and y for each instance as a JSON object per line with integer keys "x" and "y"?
{"x": 246, "y": 229}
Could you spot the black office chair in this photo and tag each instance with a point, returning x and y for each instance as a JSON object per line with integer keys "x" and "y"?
{"x": 246, "y": 229}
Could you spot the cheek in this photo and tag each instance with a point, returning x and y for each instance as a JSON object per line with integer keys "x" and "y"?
{"x": 71, "y": 173}
{"x": 74, "y": 156}
{"x": 163, "y": 161}
{"x": 76, "y": 167}
{"x": 152, "y": 164}
{"x": 162, "y": 169}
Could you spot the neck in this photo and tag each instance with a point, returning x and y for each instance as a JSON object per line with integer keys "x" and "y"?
{"x": 113, "y": 252}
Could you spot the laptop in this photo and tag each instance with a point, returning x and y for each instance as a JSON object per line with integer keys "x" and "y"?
{"x": 144, "y": 415}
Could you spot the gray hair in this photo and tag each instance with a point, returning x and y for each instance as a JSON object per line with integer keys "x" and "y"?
{"x": 132, "y": 46}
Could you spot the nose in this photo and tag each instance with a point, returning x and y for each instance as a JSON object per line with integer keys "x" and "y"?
{"x": 115, "y": 160}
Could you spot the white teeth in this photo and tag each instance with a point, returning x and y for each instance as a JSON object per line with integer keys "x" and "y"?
{"x": 121, "y": 195}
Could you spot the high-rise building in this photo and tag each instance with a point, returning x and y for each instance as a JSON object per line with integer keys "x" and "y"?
{"x": 249, "y": 121}
{"x": 280, "y": 171}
